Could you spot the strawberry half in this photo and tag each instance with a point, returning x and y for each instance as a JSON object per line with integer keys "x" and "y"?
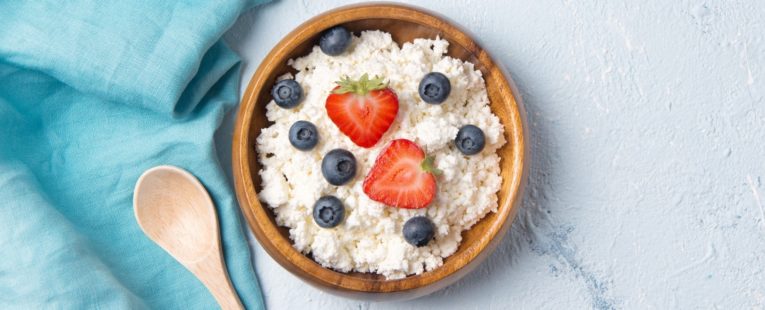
{"x": 402, "y": 176}
{"x": 363, "y": 110}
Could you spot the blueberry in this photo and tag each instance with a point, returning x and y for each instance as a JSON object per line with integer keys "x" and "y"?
{"x": 303, "y": 135}
{"x": 335, "y": 41}
{"x": 418, "y": 231}
{"x": 287, "y": 93}
{"x": 338, "y": 166}
{"x": 434, "y": 88}
{"x": 470, "y": 140}
{"x": 328, "y": 211}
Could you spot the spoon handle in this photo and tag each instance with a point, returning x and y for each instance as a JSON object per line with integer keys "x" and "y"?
{"x": 212, "y": 272}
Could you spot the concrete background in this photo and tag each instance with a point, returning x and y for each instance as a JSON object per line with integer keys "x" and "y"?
{"x": 647, "y": 126}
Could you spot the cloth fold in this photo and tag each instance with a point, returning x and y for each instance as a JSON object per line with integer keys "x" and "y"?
{"x": 92, "y": 93}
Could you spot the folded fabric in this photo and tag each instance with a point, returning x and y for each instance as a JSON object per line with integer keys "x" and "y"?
{"x": 92, "y": 93}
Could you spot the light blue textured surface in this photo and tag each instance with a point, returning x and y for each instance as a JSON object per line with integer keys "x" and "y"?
{"x": 647, "y": 125}
{"x": 92, "y": 93}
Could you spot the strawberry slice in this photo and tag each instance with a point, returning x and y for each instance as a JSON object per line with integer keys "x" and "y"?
{"x": 402, "y": 176}
{"x": 363, "y": 110}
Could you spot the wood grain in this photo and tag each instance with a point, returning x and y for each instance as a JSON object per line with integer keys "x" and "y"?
{"x": 405, "y": 23}
{"x": 174, "y": 210}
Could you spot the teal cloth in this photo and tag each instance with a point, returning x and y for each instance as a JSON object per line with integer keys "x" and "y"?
{"x": 92, "y": 93}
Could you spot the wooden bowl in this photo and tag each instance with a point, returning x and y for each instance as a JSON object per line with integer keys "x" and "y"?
{"x": 405, "y": 23}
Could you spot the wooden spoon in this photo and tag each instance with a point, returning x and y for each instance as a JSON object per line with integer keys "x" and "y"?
{"x": 175, "y": 211}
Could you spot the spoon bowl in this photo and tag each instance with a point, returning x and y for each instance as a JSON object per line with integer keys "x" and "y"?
{"x": 175, "y": 211}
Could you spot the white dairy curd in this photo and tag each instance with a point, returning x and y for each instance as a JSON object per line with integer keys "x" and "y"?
{"x": 370, "y": 239}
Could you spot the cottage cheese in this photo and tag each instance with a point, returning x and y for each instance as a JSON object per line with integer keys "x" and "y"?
{"x": 370, "y": 239}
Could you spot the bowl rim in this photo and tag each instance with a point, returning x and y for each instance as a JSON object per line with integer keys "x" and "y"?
{"x": 268, "y": 235}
